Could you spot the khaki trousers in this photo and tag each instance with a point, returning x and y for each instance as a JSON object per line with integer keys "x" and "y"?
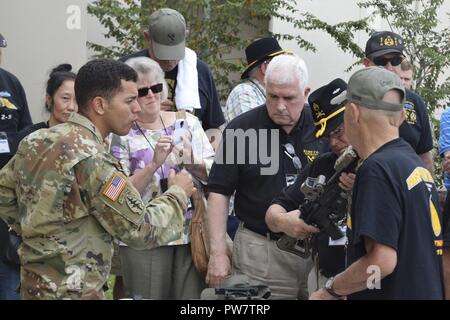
{"x": 258, "y": 257}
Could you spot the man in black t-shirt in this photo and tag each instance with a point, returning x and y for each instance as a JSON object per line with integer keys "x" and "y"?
{"x": 328, "y": 105}
{"x": 386, "y": 49}
{"x": 14, "y": 116}
{"x": 262, "y": 151}
{"x": 394, "y": 226}
{"x": 166, "y": 38}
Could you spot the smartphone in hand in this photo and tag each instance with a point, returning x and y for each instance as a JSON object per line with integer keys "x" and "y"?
{"x": 181, "y": 128}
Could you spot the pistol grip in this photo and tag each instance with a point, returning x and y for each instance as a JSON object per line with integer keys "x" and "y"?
{"x": 301, "y": 248}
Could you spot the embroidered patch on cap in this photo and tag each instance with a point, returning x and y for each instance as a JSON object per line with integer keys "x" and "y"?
{"x": 114, "y": 187}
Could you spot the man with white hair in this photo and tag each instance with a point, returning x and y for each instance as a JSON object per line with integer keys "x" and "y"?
{"x": 284, "y": 129}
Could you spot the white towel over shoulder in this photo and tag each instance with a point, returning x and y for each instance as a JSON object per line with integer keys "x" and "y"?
{"x": 186, "y": 91}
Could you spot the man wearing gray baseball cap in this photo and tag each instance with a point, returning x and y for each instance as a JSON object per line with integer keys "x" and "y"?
{"x": 394, "y": 226}
{"x": 191, "y": 84}
{"x": 167, "y": 33}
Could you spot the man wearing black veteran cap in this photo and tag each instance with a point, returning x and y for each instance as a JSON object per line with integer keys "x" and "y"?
{"x": 394, "y": 229}
{"x": 385, "y": 49}
{"x": 328, "y": 105}
{"x": 251, "y": 93}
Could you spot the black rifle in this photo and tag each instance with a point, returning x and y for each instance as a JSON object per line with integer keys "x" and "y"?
{"x": 324, "y": 205}
{"x": 232, "y": 293}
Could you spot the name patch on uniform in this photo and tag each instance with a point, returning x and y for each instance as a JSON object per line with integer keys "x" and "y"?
{"x": 114, "y": 187}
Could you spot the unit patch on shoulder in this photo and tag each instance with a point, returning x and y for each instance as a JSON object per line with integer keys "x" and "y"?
{"x": 114, "y": 187}
{"x": 134, "y": 204}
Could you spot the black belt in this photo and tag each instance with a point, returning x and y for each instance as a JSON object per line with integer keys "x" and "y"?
{"x": 269, "y": 234}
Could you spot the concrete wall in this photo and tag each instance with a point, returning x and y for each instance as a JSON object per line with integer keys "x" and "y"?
{"x": 42, "y": 34}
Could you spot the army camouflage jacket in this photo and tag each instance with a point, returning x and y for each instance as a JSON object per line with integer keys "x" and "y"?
{"x": 68, "y": 198}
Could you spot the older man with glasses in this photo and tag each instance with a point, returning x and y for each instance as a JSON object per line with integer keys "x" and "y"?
{"x": 288, "y": 126}
{"x": 328, "y": 105}
{"x": 385, "y": 49}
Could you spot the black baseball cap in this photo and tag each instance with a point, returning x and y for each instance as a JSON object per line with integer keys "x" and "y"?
{"x": 384, "y": 42}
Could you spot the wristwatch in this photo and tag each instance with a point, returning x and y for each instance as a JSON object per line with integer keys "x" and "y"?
{"x": 329, "y": 288}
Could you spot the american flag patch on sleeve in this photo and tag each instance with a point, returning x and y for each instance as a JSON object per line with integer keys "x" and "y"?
{"x": 114, "y": 187}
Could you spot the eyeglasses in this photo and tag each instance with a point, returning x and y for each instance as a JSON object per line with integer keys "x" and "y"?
{"x": 382, "y": 61}
{"x": 157, "y": 88}
{"x": 290, "y": 152}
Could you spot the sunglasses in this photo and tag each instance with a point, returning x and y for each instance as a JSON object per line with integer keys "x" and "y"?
{"x": 290, "y": 152}
{"x": 382, "y": 61}
{"x": 157, "y": 88}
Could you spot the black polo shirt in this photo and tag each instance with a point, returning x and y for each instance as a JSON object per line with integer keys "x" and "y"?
{"x": 416, "y": 129}
{"x": 255, "y": 190}
{"x": 210, "y": 114}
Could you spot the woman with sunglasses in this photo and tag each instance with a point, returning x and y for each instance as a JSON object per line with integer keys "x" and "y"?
{"x": 166, "y": 272}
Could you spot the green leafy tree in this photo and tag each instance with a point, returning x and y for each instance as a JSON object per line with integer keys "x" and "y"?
{"x": 215, "y": 28}
{"x": 427, "y": 46}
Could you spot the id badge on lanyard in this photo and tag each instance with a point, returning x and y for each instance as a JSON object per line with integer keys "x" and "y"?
{"x": 4, "y": 145}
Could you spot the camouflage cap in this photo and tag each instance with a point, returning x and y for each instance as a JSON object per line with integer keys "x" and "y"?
{"x": 368, "y": 86}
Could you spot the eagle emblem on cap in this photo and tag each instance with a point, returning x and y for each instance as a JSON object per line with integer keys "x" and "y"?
{"x": 388, "y": 41}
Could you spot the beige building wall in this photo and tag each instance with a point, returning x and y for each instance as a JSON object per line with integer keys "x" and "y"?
{"x": 330, "y": 61}
{"x": 42, "y": 34}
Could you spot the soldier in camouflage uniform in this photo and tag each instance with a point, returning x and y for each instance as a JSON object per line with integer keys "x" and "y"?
{"x": 68, "y": 197}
